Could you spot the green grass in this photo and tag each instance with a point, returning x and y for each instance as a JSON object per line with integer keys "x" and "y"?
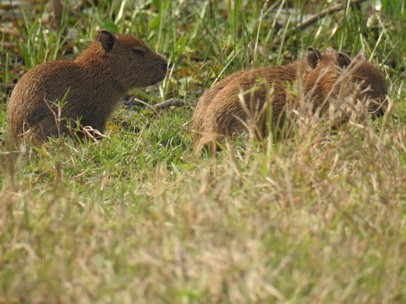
{"x": 137, "y": 218}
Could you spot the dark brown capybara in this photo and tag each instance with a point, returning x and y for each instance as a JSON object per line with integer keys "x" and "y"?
{"x": 52, "y": 97}
{"x": 322, "y": 77}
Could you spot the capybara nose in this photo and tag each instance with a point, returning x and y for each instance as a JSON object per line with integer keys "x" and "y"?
{"x": 164, "y": 65}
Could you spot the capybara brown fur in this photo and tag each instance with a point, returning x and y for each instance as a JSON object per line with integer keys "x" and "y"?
{"x": 229, "y": 106}
{"x": 52, "y": 97}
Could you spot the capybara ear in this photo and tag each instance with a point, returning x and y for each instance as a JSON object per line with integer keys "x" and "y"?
{"x": 107, "y": 40}
{"x": 361, "y": 55}
{"x": 313, "y": 57}
{"x": 343, "y": 60}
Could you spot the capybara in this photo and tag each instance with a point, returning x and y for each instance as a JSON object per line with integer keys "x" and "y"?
{"x": 226, "y": 108}
{"x": 53, "y": 97}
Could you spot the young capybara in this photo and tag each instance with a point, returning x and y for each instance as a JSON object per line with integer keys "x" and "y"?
{"x": 53, "y": 97}
{"x": 322, "y": 77}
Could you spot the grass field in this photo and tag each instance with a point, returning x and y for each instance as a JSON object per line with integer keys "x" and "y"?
{"x": 138, "y": 218}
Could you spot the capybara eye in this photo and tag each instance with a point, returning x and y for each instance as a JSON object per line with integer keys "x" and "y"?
{"x": 138, "y": 52}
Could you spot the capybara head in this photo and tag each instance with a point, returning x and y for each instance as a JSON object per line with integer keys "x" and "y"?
{"x": 337, "y": 75}
{"x": 136, "y": 64}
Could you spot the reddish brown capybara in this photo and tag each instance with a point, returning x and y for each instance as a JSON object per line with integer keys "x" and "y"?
{"x": 225, "y": 109}
{"x": 52, "y": 97}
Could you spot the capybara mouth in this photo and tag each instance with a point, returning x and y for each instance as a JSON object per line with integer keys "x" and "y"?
{"x": 161, "y": 77}
{"x": 157, "y": 80}
{"x": 377, "y": 108}
{"x": 379, "y": 111}
{"x": 164, "y": 66}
